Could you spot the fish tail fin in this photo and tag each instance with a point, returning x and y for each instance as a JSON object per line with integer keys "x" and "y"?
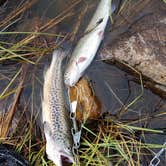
{"x": 59, "y": 53}
{"x": 57, "y": 57}
{"x": 47, "y": 128}
{"x": 60, "y": 56}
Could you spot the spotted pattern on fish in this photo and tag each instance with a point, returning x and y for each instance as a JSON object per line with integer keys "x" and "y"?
{"x": 55, "y": 113}
{"x": 56, "y": 101}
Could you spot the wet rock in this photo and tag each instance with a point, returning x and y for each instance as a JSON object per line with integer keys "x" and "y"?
{"x": 88, "y": 107}
{"x": 143, "y": 47}
{"x": 10, "y": 158}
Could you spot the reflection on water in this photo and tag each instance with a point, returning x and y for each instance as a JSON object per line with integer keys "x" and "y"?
{"x": 122, "y": 89}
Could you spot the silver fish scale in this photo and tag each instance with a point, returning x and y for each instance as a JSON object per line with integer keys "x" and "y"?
{"x": 59, "y": 114}
{"x": 56, "y": 118}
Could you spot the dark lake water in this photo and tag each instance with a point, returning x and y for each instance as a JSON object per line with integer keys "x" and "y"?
{"x": 122, "y": 88}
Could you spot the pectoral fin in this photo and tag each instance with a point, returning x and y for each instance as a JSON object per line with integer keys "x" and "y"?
{"x": 47, "y": 128}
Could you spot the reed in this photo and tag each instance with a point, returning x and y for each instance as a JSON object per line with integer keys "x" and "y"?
{"x": 111, "y": 141}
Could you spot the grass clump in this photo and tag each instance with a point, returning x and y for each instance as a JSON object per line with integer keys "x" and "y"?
{"x": 115, "y": 143}
{"x": 22, "y": 62}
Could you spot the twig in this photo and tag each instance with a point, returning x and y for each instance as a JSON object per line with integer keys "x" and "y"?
{"x": 10, "y": 114}
{"x": 16, "y": 13}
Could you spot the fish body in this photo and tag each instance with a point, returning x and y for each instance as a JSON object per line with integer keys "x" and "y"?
{"x": 88, "y": 45}
{"x": 55, "y": 116}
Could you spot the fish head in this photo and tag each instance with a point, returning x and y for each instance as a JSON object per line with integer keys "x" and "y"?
{"x": 67, "y": 154}
{"x": 72, "y": 74}
{"x": 58, "y": 147}
{"x": 56, "y": 153}
{"x": 70, "y": 78}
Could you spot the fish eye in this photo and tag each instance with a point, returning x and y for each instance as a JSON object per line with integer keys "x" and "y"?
{"x": 68, "y": 149}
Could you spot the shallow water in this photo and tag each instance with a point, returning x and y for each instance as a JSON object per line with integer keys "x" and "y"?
{"x": 123, "y": 88}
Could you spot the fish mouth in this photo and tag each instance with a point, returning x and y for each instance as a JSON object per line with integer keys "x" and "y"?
{"x": 66, "y": 160}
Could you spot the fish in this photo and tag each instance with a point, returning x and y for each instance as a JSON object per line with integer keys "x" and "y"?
{"x": 88, "y": 45}
{"x": 55, "y": 116}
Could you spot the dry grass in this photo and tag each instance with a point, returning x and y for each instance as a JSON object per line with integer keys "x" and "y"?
{"x": 112, "y": 142}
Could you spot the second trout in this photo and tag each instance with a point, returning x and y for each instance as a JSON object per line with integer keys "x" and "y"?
{"x": 88, "y": 45}
{"x": 55, "y": 116}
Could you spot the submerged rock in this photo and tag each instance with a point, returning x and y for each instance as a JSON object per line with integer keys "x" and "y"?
{"x": 10, "y": 158}
{"x": 88, "y": 107}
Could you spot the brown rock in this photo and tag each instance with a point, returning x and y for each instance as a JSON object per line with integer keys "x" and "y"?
{"x": 88, "y": 107}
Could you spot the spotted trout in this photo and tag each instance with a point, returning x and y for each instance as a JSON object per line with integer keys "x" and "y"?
{"x": 55, "y": 116}
{"x": 88, "y": 45}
